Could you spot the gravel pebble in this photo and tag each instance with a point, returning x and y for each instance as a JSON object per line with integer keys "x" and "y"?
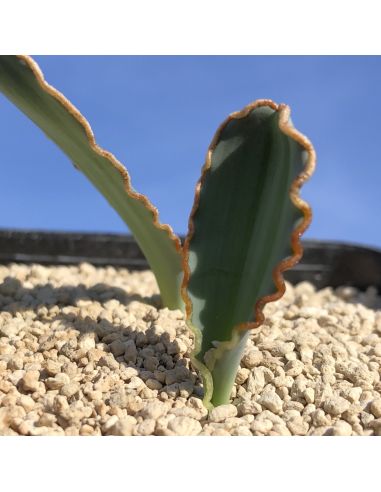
{"x": 30, "y": 381}
{"x": 271, "y": 400}
{"x": 58, "y": 381}
{"x": 87, "y": 351}
{"x": 297, "y": 426}
{"x": 122, "y": 427}
{"x": 145, "y": 428}
{"x": 336, "y": 405}
{"x": 154, "y": 410}
{"x": 262, "y": 426}
{"x": 342, "y": 428}
{"x": 185, "y": 426}
{"x": 294, "y": 368}
{"x": 117, "y": 347}
{"x": 70, "y": 389}
{"x": 309, "y": 395}
{"x": 375, "y": 408}
{"x": 222, "y": 412}
{"x": 252, "y": 359}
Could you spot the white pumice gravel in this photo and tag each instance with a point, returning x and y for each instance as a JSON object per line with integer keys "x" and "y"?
{"x": 88, "y": 351}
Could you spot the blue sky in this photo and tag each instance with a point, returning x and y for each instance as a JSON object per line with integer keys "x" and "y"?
{"x": 158, "y": 114}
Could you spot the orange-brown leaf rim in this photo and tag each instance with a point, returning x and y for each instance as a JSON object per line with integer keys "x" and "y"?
{"x": 287, "y": 263}
{"x": 59, "y": 97}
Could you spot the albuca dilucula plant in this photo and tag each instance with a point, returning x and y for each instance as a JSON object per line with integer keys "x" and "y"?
{"x": 244, "y": 227}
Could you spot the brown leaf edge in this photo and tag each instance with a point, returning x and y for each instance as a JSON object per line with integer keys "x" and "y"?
{"x": 286, "y": 127}
{"x": 238, "y": 330}
{"x": 58, "y": 96}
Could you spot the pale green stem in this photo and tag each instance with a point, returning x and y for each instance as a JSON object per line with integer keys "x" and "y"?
{"x": 225, "y": 370}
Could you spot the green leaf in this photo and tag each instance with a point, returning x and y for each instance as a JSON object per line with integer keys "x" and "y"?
{"x": 22, "y": 82}
{"x": 244, "y": 231}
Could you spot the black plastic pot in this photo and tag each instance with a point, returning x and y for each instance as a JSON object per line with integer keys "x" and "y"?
{"x": 324, "y": 263}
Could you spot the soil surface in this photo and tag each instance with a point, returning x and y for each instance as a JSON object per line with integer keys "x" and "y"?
{"x": 87, "y": 351}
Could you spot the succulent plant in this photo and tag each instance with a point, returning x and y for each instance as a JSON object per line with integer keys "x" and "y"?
{"x": 244, "y": 227}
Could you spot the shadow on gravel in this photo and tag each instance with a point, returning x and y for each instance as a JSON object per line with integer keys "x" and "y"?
{"x": 16, "y": 298}
{"x": 151, "y": 353}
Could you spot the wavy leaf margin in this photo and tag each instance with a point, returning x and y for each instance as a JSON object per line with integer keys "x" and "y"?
{"x": 60, "y": 98}
{"x": 288, "y": 129}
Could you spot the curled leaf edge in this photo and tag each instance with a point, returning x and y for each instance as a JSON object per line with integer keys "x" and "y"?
{"x": 288, "y": 129}
{"x": 70, "y": 108}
